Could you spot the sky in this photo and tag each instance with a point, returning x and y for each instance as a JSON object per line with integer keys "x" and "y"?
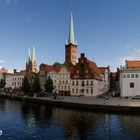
{"x": 107, "y": 31}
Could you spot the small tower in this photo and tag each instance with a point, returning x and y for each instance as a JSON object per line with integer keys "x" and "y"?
{"x": 71, "y": 45}
{"x": 31, "y": 65}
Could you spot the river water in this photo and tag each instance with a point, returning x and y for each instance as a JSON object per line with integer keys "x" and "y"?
{"x": 26, "y": 121}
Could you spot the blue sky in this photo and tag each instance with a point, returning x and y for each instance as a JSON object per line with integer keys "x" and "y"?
{"x": 107, "y": 31}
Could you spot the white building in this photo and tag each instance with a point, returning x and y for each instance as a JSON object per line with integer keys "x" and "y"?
{"x": 63, "y": 81}
{"x": 46, "y": 71}
{"x": 130, "y": 78}
{"x": 14, "y": 80}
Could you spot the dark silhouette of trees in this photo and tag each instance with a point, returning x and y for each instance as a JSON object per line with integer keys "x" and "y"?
{"x": 49, "y": 85}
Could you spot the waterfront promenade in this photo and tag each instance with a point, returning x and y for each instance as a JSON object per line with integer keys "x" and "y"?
{"x": 115, "y": 104}
{"x": 111, "y": 101}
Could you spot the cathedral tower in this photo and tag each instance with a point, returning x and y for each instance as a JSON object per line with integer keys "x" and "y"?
{"x": 31, "y": 65}
{"x": 71, "y": 45}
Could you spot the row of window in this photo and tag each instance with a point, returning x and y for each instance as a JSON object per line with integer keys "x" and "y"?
{"x": 63, "y": 82}
{"x": 83, "y": 83}
{"x": 87, "y": 91}
{"x": 130, "y": 76}
{"x": 63, "y": 87}
{"x": 16, "y": 84}
{"x": 19, "y": 79}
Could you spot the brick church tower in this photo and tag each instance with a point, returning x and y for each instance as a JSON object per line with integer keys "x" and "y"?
{"x": 71, "y": 45}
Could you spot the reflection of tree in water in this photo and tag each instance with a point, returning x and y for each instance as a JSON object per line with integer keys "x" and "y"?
{"x": 2, "y": 104}
{"x": 35, "y": 114}
{"x": 76, "y": 124}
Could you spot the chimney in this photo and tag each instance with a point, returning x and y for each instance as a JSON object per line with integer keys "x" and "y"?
{"x": 82, "y": 55}
{"x": 15, "y": 71}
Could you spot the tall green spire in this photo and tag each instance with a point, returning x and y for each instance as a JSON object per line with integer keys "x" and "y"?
{"x": 71, "y": 39}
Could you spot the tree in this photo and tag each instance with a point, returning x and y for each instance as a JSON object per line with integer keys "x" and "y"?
{"x": 57, "y": 64}
{"x": 26, "y": 85}
{"x": 36, "y": 85}
{"x": 49, "y": 85}
{"x": 69, "y": 64}
{"x": 2, "y": 83}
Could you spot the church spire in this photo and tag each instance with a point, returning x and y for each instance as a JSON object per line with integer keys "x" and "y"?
{"x": 71, "y": 39}
{"x": 33, "y": 54}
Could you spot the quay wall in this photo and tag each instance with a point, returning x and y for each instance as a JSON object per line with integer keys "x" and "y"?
{"x": 76, "y": 106}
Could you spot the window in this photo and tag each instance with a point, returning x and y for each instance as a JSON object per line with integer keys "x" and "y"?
{"x": 87, "y": 83}
{"x": 124, "y": 76}
{"x": 132, "y": 75}
{"x": 128, "y": 76}
{"x": 91, "y": 82}
{"x": 76, "y": 90}
{"x": 136, "y": 75}
{"x": 73, "y": 90}
{"x": 77, "y": 71}
{"x": 87, "y": 91}
{"x": 76, "y": 82}
{"x": 72, "y": 82}
{"x": 131, "y": 85}
{"x": 82, "y": 83}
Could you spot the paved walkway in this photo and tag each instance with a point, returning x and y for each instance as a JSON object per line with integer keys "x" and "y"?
{"x": 113, "y": 101}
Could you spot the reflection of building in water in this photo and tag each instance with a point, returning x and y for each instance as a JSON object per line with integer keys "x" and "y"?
{"x": 75, "y": 123}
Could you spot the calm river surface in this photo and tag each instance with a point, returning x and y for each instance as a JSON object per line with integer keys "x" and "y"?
{"x": 19, "y": 120}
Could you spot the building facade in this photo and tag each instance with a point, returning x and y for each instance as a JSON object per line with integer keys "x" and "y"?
{"x": 14, "y": 80}
{"x": 130, "y": 78}
{"x": 85, "y": 78}
{"x": 63, "y": 81}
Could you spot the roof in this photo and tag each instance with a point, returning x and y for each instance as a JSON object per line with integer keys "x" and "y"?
{"x": 71, "y": 39}
{"x": 93, "y": 66}
{"x": 49, "y": 68}
{"x": 114, "y": 74}
{"x": 102, "y": 70}
{"x": 132, "y": 63}
{"x": 95, "y": 69}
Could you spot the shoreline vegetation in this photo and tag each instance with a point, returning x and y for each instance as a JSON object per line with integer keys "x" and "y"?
{"x": 112, "y": 104}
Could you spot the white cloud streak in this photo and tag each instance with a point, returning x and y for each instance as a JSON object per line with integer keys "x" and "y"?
{"x": 11, "y": 1}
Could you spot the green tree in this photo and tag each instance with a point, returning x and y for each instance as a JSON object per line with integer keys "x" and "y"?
{"x": 57, "y": 64}
{"x": 49, "y": 85}
{"x": 69, "y": 64}
{"x": 2, "y": 83}
{"x": 26, "y": 85}
{"x": 36, "y": 85}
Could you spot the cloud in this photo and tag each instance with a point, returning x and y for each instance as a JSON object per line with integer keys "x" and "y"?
{"x": 132, "y": 53}
{"x": 2, "y": 61}
{"x": 11, "y": 1}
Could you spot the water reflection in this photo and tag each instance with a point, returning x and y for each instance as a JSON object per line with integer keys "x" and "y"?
{"x": 33, "y": 121}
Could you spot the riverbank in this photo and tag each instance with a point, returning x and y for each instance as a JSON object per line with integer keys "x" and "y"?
{"x": 112, "y": 104}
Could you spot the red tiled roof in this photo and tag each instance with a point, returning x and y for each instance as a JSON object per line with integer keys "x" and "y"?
{"x": 114, "y": 74}
{"x": 93, "y": 66}
{"x": 102, "y": 70}
{"x": 95, "y": 69}
{"x": 132, "y": 63}
{"x": 49, "y": 68}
